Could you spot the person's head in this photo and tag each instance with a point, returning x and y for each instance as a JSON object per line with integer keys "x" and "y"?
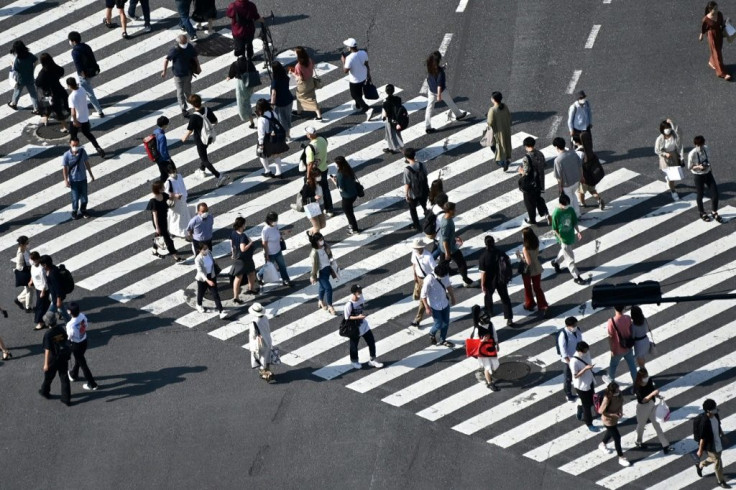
{"x": 46, "y": 61}
{"x": 46, "y": 261}
{"x": 699, "y": 141}
{"x": 182, "y": 40}
{"x": 710, "y": 408}
{"x": 71, "y": 82}
{"x": 440, "y": 199}
{"x": 390, "y": 89}
{"x": 239, "y": 224}
{"x": 74, "y": 145}
{"x": 529, "y": 143}
{"x": 642, "y": 377}
{"x": 157, "y": 187}
{"x": 410, "y": 153}
{"x": 529, "y": 238}
{"x": 195, "y": 100}
{"x": 311, "y": 132}
{"x": 301, "y": 56}
{"x": 637, "y": 316}
{"x": 262, "y": 107}
{"x": 619, "y": 309}
{"x": 436, "y": 188}
{"x": 23, "y": 242}
{"x": 162, "y": 122}
{"x": 272, "y": 218}
{"x": 441, "y": 270}
{"x": 564, "y": 200}
{"x": 73, "y": 309}
{"x": 559, "y": 144}
{"x": 351, "y": 44}
{"x": 35, "y": 257}
{"x": 344, "y": 167}
{"x": 317, "y": 240}
{"x": 203, "y": 210}
{"x": 278, "y": 70}
{"x": 204, "y": 249}
{"x": 418, "y": 246}
{"x": 74, "y": 38}
{"x": 449, "y": 209}
{"x": 576, "y": 140}
{"x": 433, "y": 63}
{"x": 490, "y": 242}
{"x": 497, "y": 97}
{"x": 665, "y": 128}
{"x": 711, "y": 7}
{"x": 571, "y": 323}
{"x": 356, "y": 291}
{"x": 581, "y": 97}
{"x": 476, "y": 311}
{"x": 582, "y": 347}
{"x": 613, "y": 389}
{"x": 171, "y": 168}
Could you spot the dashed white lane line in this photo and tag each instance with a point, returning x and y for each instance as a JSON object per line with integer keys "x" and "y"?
{"x": 556, "y": 120}
{"x": 461, "y": 6}
{"x": 573, "y": 81}
{"x": 442, "y": 49}
{"x": 606, "y": 1}
{"x": 591, "y": 37}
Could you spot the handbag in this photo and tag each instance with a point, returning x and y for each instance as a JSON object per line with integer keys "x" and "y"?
{"x": 270, "y": 274}
{"x": 274, "y": 148}
{"x": 480, "y": 348}
{"x": 674, "y": 174}
{"x": 335, "y": 269}
{"x": 22, "y": 277}
{"x": 312, "y": 210}
{"x": 316, "y": 79}
{"x": 282, "y": 244}
{"x": 359, "y": 189}
{"x": 171, "y": 203}
{"x": 662, "y": 412}
{"x": 486, "y": 141}
{"x": 253, "y": 79}
{"x": 370, "y": 91}
{"x": 625, "y": 342}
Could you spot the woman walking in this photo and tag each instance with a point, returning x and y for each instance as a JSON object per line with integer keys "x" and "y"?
{"x": 639, "y": 330}
{"x": 206, "y": 279}
{"x": 645, "y": 408}
{"x": 389, "y": 114}
{"x": 499, "y": 120}
{"x": 178, "y": 216}
{"x": 159, "y": 208}
{"x": 265, "y": 119}
{"x": 713, "y": 26}
{"x": 204, "y": 11}
{"x": 239, "y": 70}
{"x": 321, "y": 256}
{"x": 281, "y": 98}
{"x": 272, "y": 239}
{"x": 699, "y": 165}
{"x": 437, "y": 91}
{"x": 243, "y": 264}
{"x": 38, "y": 278}
{"x": 24, "y": 301}
{"x": 312, "y": 193}
{"x": 611, "y": 410}
{"x": 668, "y": 148}
{"x": 346, "y": 181}
{"x": 533, "y": 273}
{"x": 261, "y": 344}
{"x": 48, "y": 82}
{"x": 23, "y": 65}
{"x": 306, "y": 97}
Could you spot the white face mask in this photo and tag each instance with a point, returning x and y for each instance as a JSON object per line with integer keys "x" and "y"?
{"x": 581, "y": 102}
{"x": 667, "y": 132}
{"x": 321, "y": 243}
{"x": 205, "y": 214}
{"x": 71, "y": 44}
{"x": 74, "y": 149}
{"x": 183, "y": 46}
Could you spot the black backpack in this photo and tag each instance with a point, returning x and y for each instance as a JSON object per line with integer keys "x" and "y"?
{"x": 402, "y": 117}
{"x": 505, "y": 271}
{"x": 61, "y": 347}
{"x": 276, "y": 132}
{"x": 418, "y": 181}
{"x": 91, "y": 68}
{"x": 430, "y": 222}
{"x": 592, "y": 170}
{"x": 530, "y": 181}
{"x": 66, "y": 280}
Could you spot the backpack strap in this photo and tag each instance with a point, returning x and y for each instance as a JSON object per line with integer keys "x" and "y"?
{"x": 420, "y": 266}
{"x": 258, "y": 330}
{"x": 579, "y": 359}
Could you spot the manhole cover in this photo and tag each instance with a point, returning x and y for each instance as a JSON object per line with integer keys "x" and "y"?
{"x": 51, "y": 132}
{"x": 513, "y": 370}
{"x": 214, "y": 45}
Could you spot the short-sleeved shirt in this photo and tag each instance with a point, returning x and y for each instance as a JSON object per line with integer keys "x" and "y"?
{"x": 320, "y": 146}
{"x": 353, "y": 308}
{"x": 568, "y": 168}
{"x": 78, "y": 102}
{"x": 76, "y": 328}
{"x": 75, "y": 165}
{"x": 420, "y": 172}
{"x": 196, "y": 122}
{"x": 236, "y": 239}
{"x": 201, "y": 228}
{"x": 623, "y": 325}
{"x": 51, "y": 340}
{"x": 283, "y": 94}
{"x": 423, "y": 264}
{"x": 160, "y": 208}
{"x": 181, "y": 60}
{"x": 355, "y": 62}
{"x": 447, "y": 234}
{"x": 434, "y": 290}
{"x": 586, "y": 380}
{"x": 271, "y": 237}
{"x": 488, "y": 263}
{"x": 564, "y": 222}
{"x": 24, "y": 68}
{"x": 247, "y": 13}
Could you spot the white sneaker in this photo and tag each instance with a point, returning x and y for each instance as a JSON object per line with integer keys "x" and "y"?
{"x": 375, "y": 364}
{"x": 223, "y": 314}
{"x": 89, "y": 388}
{"x": 222, "y": 180}
{"x": 623, "y": 461}
{"x": 369, "y": 114}
{"x": 603, "y": 448}
{"x": 675, "y": 197}
{"x": 200, "y": 174}
{"x": 353, "y": 105}
{"x": 357, "y": 365}
{"x": 606, "y": 379}
{"x": 201, "y": 309}
{"x": 68, "y": 373}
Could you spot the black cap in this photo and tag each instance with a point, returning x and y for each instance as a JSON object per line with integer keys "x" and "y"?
{"x": 581, "y": 94}
{"x": 355, "y": 288}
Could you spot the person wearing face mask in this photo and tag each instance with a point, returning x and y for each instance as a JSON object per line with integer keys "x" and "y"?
{"x": 499, "y": 120}
{"x": 713, "y": 26}
{"x": 242, "y": 254}
{"x": 207, "y": 279}
{"x": 581, "y": 367}
{"x": 710, "y": 435}
{"x": 668, "y": 148}
{"x": 178, "y": 216}
{"x": 354, "y": 310}
{"x": 86, "y": 67}
{"x": 184, "y": 63}
{"x": 272, "y": 241}
{"x": 568, "y": 339}
{"x": 80, "y": 115}
{"x": 645, "y": 394}
{"x": 580, "y": 118}
{"x": 422, "y": 265}
{"x": 437, "y": 296}
{"x": 322, "y": 271}
{"x": 699, "y": 165}
{"x": 159, "y": 208}
{"x": 75, "y": 165}
{"x": 164, "y": 159}
{"x": 24, "y": 301}
{"x": 568, "y": 170}
{"x": 199, "y": 228}
{"x": 611, "y": 410}
{"x": 38, "y": 280}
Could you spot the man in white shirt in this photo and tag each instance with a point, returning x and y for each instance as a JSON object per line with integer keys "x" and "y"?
{"x": 80, "y": 114}
{"x": 355, "y": 64}
{"x": 437, "y": 296}
{"x": 76, "y": 329}
{"x": 38, "y": 278}
{"x": 567, "y": 341}
{"x": 422, "y": 265}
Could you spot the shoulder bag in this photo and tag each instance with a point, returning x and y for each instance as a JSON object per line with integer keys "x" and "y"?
{"x": 315, "y": 76}
{"x": 624, "y": 342}
{"x": 22, "y": 277}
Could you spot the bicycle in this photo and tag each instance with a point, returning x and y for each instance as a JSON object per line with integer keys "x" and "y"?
{"x": 269, "y": 48}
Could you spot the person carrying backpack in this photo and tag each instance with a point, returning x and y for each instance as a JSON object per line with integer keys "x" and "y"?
{"x": 708, "y": 432}
{"x": 58, "y": 288}
{"x": 243, "y": 14}
{"x": 416, "y": 186}
{"x": 202, "y": 125}
{"x": 86, "y": 67}
{"x": 592, "y": 171}
{"x": 391, "y": 109}
{"x": 56, "y": 354}
{"x": 184, "y": 65}
{"x": 495, "y": 274}
{"x": 567, "y": 342}
{"x": 531, "y": 182}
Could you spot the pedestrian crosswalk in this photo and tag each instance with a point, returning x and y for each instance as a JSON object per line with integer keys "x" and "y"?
{"x": 640, "y": 235}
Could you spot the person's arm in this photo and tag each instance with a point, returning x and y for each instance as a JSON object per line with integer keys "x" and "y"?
{"x": 89, "y": 170}
{"x": 273, "y": 97}
{"x": 483, "y": 281}
{"x": 75, "y": 121}
{"x": 345, "y": 66}
{"x": 609, "y": 327}
{"x": 589, "y": 112}
{"x": 46, "y": 359}
{"x": 571, "y": 118}
{"x": 155, "y": 222}
{"x": 451, "y": 293}
{"x": 489, "y": 117}
{"x": 190, "y": 130}
{"x": 651, "y": 396}
{"x": 166, "y": 66}
{"x": 65, "y": 171}
{"x": 368, "y": 78}
{"x": 440, "y": 83}
{"x": 163, "y": 147}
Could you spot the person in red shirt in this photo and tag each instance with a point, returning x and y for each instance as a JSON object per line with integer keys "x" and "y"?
{"x": 618, "y": 328}
{"x": 244, "y": 15}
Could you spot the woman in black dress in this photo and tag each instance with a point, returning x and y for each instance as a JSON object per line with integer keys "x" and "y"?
{"x": 159, "y": 208}
{"x": 243, "y": 264}
{"x": 48, "y": 83}
{"x": 204, "y": 11}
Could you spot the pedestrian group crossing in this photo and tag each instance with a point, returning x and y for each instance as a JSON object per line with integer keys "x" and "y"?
{"x": 641, "y": 234}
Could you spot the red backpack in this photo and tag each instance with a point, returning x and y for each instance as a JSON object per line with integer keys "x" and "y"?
{"x": 149, "y": 143}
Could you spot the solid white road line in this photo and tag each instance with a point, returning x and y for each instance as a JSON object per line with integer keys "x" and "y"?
{"x": 443, "y": 49}
{"x": 16, "y": 8}
{"x": 591, "y": 37}
{"x": 461, "y": 6}
{"x": 573, "y": 81}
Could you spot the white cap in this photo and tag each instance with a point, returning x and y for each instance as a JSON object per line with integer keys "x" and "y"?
{"x": 350, "y": 43}
{"x": 310, "y": 130}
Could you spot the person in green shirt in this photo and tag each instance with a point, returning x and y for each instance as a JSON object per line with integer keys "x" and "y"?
{"x": 316, "y": 151}
{"x": 565, "y": 228}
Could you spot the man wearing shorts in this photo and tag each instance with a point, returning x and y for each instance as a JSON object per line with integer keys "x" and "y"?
{"x": 120, "y": 5}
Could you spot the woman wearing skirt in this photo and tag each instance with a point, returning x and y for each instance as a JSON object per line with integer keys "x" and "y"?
{"x": 391, "y": 106}
{"x": 179, "y": 216}
{"x": 243, "y": 90}
{"x": 306, "y": 98}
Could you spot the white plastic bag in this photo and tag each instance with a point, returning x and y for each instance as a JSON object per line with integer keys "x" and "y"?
{"x": 270, "y": 274}
{"x": 674, "y": 174}
{"x": 312, "y": 209}
{"x": 662, "y": 412}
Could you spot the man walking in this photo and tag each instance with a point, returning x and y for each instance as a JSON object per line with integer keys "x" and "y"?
{"x": 619, "y": 332}
{"x": 145, "y": 6}
{"x": 76, "y": 329}
{"x": 80, "y": 115}
{"x": 164, "y": 159}
{"x": 566, "y": 230}
{"x": 316, "y": 154}
{"x": 56, "y": 353}
{"x": 86, "y": 66}
{"x": 492, "y": 280}
{"x": 422, "y": 265}
{"x": 416, "y": 185}
{"x": 709, "y": 428}
{"x": 184, "y": 63}
{"x": 580, "y": 118}
{"x": 355, "y": 64}
{"x": 201, "y": 124}
{"x": 200, "y": 228}
{"x": 532, "y": 169}
{"x": 75, "y": 167}
{"x": 355, "y": 310}
{"x": 184, "y": 7}
{"x": 244, "y": 15}
{"x": 568, "y": 339}
{"x": 55, "y": 290}
{"x": 568, "y": 170}
{"x": 437, "y": 295}
{"x": 450, "y": 243}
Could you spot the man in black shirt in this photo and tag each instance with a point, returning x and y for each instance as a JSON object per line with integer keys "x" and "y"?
{"x": 490, "y": 280}
{"x": 56, "y": 293}
{"x": 56, "y": 360}
{"x": 197, "y": 128}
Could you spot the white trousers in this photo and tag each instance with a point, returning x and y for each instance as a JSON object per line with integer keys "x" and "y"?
{"x": 432, "y": 100}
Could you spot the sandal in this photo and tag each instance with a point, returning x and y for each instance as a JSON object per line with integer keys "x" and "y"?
{"x": 331, "y": 310}
{"x": 717, "y": 217}
{"x": 7, "y": 355}
{"x": 705, "y": 217}
{"x": 321, "y": 305}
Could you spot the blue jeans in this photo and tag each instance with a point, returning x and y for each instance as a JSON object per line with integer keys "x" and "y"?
{"x": 87, "y": 87}
{"x": 79, "y": 195}
{"x": 278, "y": 259}
{"x": 183, "y": 7}
{"x": 441, "y": 323}
{"x": 629, "y": 358}
{"x": 31, "y": 87}
{"x": 325, "y": 288}
{"x": 144, "y": 6}
{"x": 53, "y": 309}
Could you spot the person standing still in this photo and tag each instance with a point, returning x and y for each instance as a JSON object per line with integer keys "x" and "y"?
{"x": 416, "y": 186}
{"x": 580, "y": 118}
{"x": 713, "y": 26}
{"x": 389, "y": 114}
{"x": 80, "y": 115}
{"x": 75, "y": 166}
{"x": 437, "y": 91}
{"x": 76, "y": 330}
{"x": 566, "y": 230}
{"x": 422, "y": 265}
{"x": 618, "y": 328}
{"x": 568, "y": 169}
{"x": 450, "y": 242}
{"x": 56, "y": 354}
{"x": 710, "y": 441}
{"x": 243, "y": 14}
{"x": 86, "y": 66}
{"x": 355, "y": 64}
{"x": 184, "y": 64}
{"x": 437, "y": 296}
{"x": 499, "y": 120}
{"x": 567, "y": 343}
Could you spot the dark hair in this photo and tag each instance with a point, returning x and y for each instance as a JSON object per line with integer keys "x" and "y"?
{"x": 202, "y": 205}
{"x": 19, "y": 49}
{"x": 664, "y": 125}
{"x": 73, "y": 139}
{"x": 440, "y": 199}
{"x": 410, "y": 153}
{"x": 162, "y": 121}
{"x": 637, "y": 316}
{"x": 75, "y": 37}
{"x": 449, "y": 206}
{"x": 202, "y": 245}
{"x": 171, "y": 168}
{"x": 576, "y": 139}
{"x": 390, "y": 89}
{"x": 271, "y": 218}
{"x": 497, "y": 97}
{"x": 35, "y": 256}
{"x": 619, "y": 308}
{"x": 612, "y": 386}
{"x": 582, "y": 346}
{"x": 72, "y": 82}
{"x": 301, "y": 56}
{"x": 709, "y": 405}
{"x": 195, "y": 100}
{"x": 709, "y": 7}
{"x": 477, "y": 312}
{"x": 344, "y": 167}
{"x": 490, "y": 242}
{"x": 530, "y": 239}
{"x": 239, "y": 223}
{"x": 157, "y": 187}
{"x": 558, "y": 143}
{"x": 529, "y": 142}
{"x": 316, "y": 238}
{"x": 46, "y": 261}
{"x": 262, "y": 106}
{"x": 564, "y": 199}
{"x": 74, "y": 308}
{"x": 47, "y": 62}
{"x": 699, "y": 140}
{"x": 279, "y": 72}
{"x": 22, "y": 240}
{"x": 433, "y": 63}
{"x": 435, "y": 189}
{"x": 442, "y": 269}
{"x": 643, "y": 373}
{"x": 311, "y": 180}
{"x": 570, "y": 321}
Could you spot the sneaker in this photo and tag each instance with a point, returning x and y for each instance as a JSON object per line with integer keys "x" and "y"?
{"x": 432, "y": 340}
{"x": 580, "y": 281}
{"x": 579, "y": 413}
{"x": 75, "y": 215}
{"x": 640, "y": 445}
{"x": 623, "y": 461}
{"x": 510, "y": 323}
{"x": 223, "y": 314}
{"x": 222, "y": 180}
{"x": 414, "y": 324}
{"x": 201, "y": 309}
{"x": 357, "y": 365}
{"x": 675, "y": 197}
{"x": 375, "y": 364}
{"x": 557, "y": 267}
{"x": 350, "y": 231}
{"x": 603, "y": 448}
{"x": 593, "y": 428}
{"x": 461, "y": 116}
{"x": 449, "y": 344}
{"x": 85, "y": 215}
{"x": 199, "y": 174}
{"x": 329, "y": 214}
{"x": 71, "y": 378}
{"x": 147, "y": 29}
{"x": 369, "y": 114}
{"x": 699, "y": 469}
{"x": 571, "y": 398}
{"x": 100, "y": 114}
{"x": 492, "y": 386}
{"x": 606, "y": 379}
{"x": 87, "y": 387}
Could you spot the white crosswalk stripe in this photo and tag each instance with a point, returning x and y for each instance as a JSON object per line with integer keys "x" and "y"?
{"x": 640, "y": 235}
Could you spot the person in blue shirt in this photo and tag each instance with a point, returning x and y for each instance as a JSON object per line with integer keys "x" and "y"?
{"x": 164, "y": 158}
{"x": 580, "y": 119}
{"x": 86, "y": 66}
{"x": 75, "y": 167}
{"x": 200, "y": 228}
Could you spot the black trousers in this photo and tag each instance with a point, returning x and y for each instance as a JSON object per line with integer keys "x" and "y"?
{"x": 164, "y": 227}
{"x": 204, "y": 160}
{"x": 462, "y": 266}
{"x": 42, "y": 306}
{"x": 163, "y": 168}
{"x": 503, "y": 293}
{"x": 202, "y": 286}
{"x": 612, "y": 432}
{"x": 327, "y": 196}
{"x": 356, "y": 92}
{"x": 534, "y": 202}
{"x": 86, "y": 130}
{"x": 568, "y": 380}
{"x": 60, "y": 367}
{"x": 369, "y": 339}
{"x": 413, "y": 203}
{"x": 586, "y": 397}
{"x": 347, "y": 208}
{"x": 701, "y": 181}
{"x": 78, "y": 350}
{"x": 243, "y": 45}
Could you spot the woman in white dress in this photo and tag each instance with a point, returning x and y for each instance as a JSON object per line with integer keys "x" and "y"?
{"x": 179, "y": 215}
{"x": 24, "y": 301}
{"x": 260, "y": 342}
